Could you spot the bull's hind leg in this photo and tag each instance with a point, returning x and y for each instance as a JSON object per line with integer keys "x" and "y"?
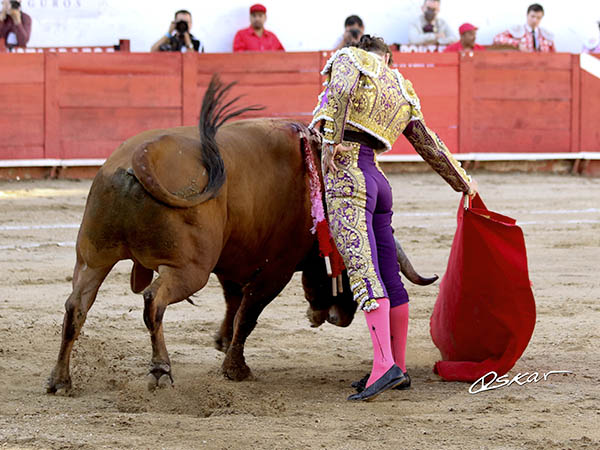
{"x": 233, "y": 298}
{"x": 172, "y": 286}
{"x": 257, "y": 295}
{"x": 86, "y": 282}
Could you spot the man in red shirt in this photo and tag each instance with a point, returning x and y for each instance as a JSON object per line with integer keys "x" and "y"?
{"x": 468, "y": 35}
{"x": 255, "y": 38}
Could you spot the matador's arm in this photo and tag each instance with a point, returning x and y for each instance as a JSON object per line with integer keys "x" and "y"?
{"x": 342, "y": 83}
{"x": 433, "y": 150}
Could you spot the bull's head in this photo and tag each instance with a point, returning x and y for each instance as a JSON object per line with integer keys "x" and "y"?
{"x": 339, "y": 309}
{"x": 323, "y": 304}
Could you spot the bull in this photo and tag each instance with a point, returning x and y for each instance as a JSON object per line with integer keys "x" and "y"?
{"x": 230, "y": 199}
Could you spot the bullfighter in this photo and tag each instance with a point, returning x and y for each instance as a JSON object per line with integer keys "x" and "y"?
{"x": 363, "y": 109}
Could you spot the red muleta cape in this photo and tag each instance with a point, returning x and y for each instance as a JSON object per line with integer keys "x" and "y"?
{"x": 484, "y": 315}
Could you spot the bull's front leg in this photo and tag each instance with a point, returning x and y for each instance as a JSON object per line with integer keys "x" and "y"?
{"x": 233, "y": 298}
{"x": 257, "y": 295}
{"x": 234, "y": 366}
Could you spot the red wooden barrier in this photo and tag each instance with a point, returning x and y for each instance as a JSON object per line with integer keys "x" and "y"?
{"x": 122, "y": 46}
{"x": 105, "y": 99}
{"x": 590, "y": 112}
{"x": 517, "y": 102}
{"x": 68, "y": 105}
{"x": 22, "y": 82}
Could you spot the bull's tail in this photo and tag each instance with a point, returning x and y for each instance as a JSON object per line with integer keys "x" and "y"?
{"x": 177, "y": 171}
{"x": 215, "y": 112}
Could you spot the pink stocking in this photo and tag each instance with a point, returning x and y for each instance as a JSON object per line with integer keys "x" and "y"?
{"x": 399, "y": 331}
{"x": 378, "y": 322}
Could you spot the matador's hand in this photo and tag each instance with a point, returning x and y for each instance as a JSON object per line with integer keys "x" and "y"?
{"x": 473, "y": 188}
{"x": 328, "y": 157}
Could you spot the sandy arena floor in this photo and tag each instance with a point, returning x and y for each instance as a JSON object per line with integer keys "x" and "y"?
{"x": 303, "y": 374}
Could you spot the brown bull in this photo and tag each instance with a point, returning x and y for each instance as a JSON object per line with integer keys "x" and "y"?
{"x": 187, "y": 202}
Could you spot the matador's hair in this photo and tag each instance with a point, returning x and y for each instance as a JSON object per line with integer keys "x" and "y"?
{"x": 374, "y": 44}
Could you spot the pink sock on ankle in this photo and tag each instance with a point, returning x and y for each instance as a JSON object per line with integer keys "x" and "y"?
{"x": 399, "y": 332}
{"x": 378, "y": 322}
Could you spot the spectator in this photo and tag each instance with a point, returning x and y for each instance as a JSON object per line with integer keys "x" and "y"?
{"x": 353, "y": 31}
{"x": 256, "y": 38}
{"x": 179, "y": 38}
{"x": 429, "y": 29}
{"x": 593, "y": 44}
{"x": 468, "y": 36}
{"x": 529, "y": 37}
{"x": 15, "y": 25}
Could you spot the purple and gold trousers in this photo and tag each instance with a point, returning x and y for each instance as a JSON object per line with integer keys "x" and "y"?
{"x": 359, "y": 205}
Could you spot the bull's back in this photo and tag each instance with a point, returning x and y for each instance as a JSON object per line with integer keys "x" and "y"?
{"x": 262, "y": 211}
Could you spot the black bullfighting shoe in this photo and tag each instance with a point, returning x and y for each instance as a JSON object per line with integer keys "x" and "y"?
{"x": 360, "y": 384}
{"x": 405, "y": 384}
{"x": 392, "y": 378}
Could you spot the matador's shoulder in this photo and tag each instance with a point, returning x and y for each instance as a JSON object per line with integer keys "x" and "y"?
{"x": 365, "y": 62}
{"x": 408, "y": 91}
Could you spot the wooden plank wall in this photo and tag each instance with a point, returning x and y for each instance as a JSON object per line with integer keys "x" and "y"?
{"x": 436, "y": 83}
{"x": 68, "y": 105}
{"x": 590, "y": 112}
{"x": 519, "y": 103}
{"x": 22, "y": 106}
{"x": 107, "y": 98}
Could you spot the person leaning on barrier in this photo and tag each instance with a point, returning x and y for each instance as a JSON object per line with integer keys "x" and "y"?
{"x": 353, "y": 31}
{"x": 468, "y": 36}
{"x": 15, "y": 25}
{"x": 529, "y": 37}
{"x": 179, "y": 38}
{"x": 429, "y": 28}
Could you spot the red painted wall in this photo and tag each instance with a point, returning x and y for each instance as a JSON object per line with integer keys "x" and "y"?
{"x": 69, "y": 105}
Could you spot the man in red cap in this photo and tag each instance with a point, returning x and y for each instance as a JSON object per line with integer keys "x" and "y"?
{"x": 255, "y": 38}
{"x": 468, "y": 35}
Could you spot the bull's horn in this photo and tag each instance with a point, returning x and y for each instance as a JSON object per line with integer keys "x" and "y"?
{"x": 407, "y": 269}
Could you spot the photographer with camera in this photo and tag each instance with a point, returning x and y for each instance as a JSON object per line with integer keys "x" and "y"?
{"x": 15, "y": 25}
{"x": 179, "y": 38}
{"x": 429, "y": 28}
{"x": 353, "y": 31}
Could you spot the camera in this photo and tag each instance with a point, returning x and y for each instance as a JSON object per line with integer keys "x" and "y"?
{"x": 181, "y": 26}
{"x": 15, "y": 4}
{"x": 354, "y": 32}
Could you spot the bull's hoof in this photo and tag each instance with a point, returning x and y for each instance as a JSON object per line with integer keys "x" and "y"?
{"x": 221, "y": 342}
{"x": 159, "y": 377}
{"x": 237, "y": 372}
{"x": 58, "y": 385}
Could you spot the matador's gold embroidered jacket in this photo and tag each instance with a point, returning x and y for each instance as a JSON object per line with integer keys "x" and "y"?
{"x": 363, "y": 94}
